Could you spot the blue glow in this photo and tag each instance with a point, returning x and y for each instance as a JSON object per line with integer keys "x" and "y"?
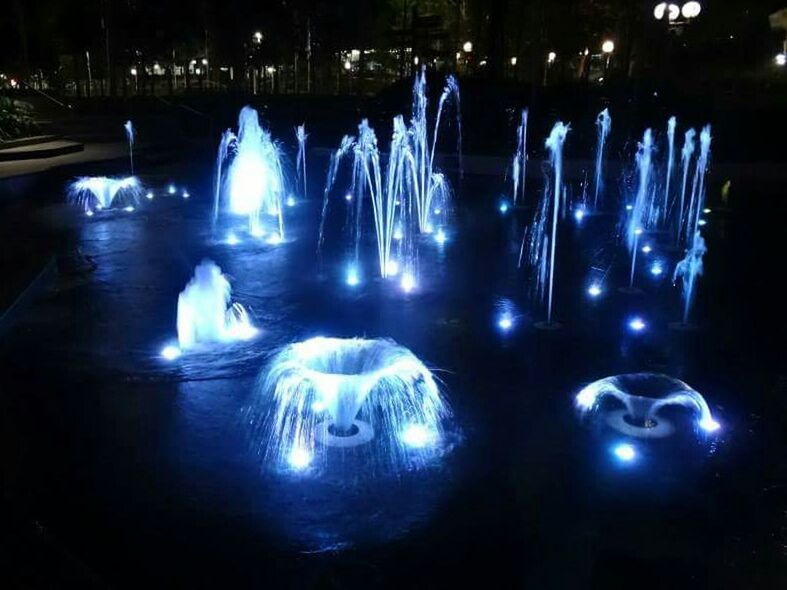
{"x": 149, "y": 195}
{"x": 417, "y": 436}
{"x": 706, "y": 211}
{"x": 291, "y": 201}
{"x": 348, "y": 197}
{"x": 637, "y": 324}
{"x": 89, "y": 213}
{"x": 503, "y": 208}
{"x": 505, "y": 321}
{"x": 398, "y": 235}
{"x": 232, "y": 239}
{"x": 624, "y": 452}
{"x": 408, "y": 282}
{"x": 708, "y": 424}
{"x": 299, "y": 459}
{"x": 629, "y": 207}
{"x": 274, "y": 239}
{"x": 646, "y": 249}
{"x": 701, "y": 222}
{"x": 171, "y": 189}
{"x": 185, "y": 194}
{"x": 440, "y": 237}
{"x": 438, "y": 211}
{"x": 656, "y": 269}
{"x": 129, "y": 209}
{"x": 170, "y": 352}
{"x": 579, "y": 214}
{"x": 392, "y": 268}
{"x": 353, "y": 279}
{"x": 594, "y": 290}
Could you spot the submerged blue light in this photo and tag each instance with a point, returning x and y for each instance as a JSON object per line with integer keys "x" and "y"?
{"x": 624, "y": 452}
{"x": 637, "y": 324}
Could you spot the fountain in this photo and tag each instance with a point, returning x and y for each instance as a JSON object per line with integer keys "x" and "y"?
{"x": 603, "y": 126}
{"x": 348, "y": 141}
{"x": 642, "y": 210}
{"x": 206, "y": 313}
{"x": 697, "y": 200}
{"x": 93, "y": 193}
{"x": 686, "y": 152}
{"x": 300, "y": 165}
{"x": 250, "y": 176}
{"x": 671, "y": 123}
{"x": 643, "y": 396}
{"x": 130, "y": 135}
{"x": 688, "y": 270}
{"x": 519, "y": 162}
{"x": 329, "y": 395}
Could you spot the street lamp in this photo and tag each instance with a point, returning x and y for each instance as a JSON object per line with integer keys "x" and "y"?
{"x": 257, "y": 37}
{"x": 664, "y": 9}
{"x": 468, "y": 47}
{"x": 691, "y": 9}
{"x": 347, "y": 65}
{"x": 780, "y": 59}
{"x": 608, "y": 46}
{"x": 513, "y": 61}
{"x": 551, "y": 57}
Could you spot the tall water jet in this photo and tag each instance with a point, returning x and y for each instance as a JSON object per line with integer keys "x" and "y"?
{"x": 205, "y": 310}
{"x": 332, "y": 399}
{"x": 642, "y": 397}
{"x": 643, "y": 200}
{"x": 603, "y": 126}
{"x": 671, "y": 123}
{"x": 519, "y": 163}
{"x": 697, "y": 200}
{"x": 92, "y": 193}
{"x": 688, "y": 270}
{"x": 686, "y": 153}
{"x": 249, "y": 175}
{"x": 300, "y": 165}
{"x": 333, "y": 168}
{"x": 130, "y": 136}
{"x": 554, "y": 144}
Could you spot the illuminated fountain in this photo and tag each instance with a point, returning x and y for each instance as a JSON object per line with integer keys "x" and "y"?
{"x": 519, "y": 161}
{"x": 671, "y": 124}
{"x": 250, "y": 176}
{"x": 93, "y": 193}
{"x": 300, "y": 163}
{"x": 130, "y": 136}
{"x": 634, "y": 404}
{"x": 686, "y": 152}
{"x": 603, "y": 126}
{"x": 642, "y": 210}
{"x": 325, "y": 400}
{"x": 206, "y": 313}
{"x": 688, "y": 270}
{"x": 697, "y": 200}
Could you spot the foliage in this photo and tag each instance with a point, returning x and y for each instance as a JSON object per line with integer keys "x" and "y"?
{"x": 16, "y": 118}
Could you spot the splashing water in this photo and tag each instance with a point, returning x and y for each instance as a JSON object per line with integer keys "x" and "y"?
{"x": 603, "y": 126}
{"x": 554, "y": 144}
{"x": 643, "y": 201}
{"x": 697, "y": 200}
{"x": 300, "y": 165}
{"x": 643, "y": 395}
{"x": 205, "y": 311}
{"x": 92, "y": 193}
{"x": 686, "y": 152}
{"x": 345, "y": 146}
{"x": 131, "y": 136}
{"x": 519, "y": 162}
{"x": 249, "y": 174}
{"x": 671, "y": 124}
{"x": 325, "y": 399}
{"x": 688, "y": 270}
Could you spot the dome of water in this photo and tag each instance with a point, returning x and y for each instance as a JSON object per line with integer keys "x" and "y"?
{"x": 328, "y": 402}
{"x": 634, "y": 404}
{"x": 101, "y": 192}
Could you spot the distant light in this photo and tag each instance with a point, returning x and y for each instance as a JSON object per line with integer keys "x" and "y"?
{"x": 89, "y": 213}
{"x": 503, "y": 207}
{"x": 133, "y": 71}
{"x": 637, "y": 324}
{"x": 629, "y": 207}
{"x": 586, "y": 52}
{"x": 258, "y": 37}
{"x": 415, "y": 60}
{"x": 204, "y": 61}
{"x": 274, "y": 239}
{"x": 512, "y": 61}
{"x": 701, "y": 222}
{"x": 594, "y": 290}
{"x": 186, "y": 194}
{"x": 171, "y": 189}
{"x": 232, "y": 239}
{"x": 672, "y": 11}
{"x": 348, "y": 197}
{"x": 291, "y": 201}
{"x": 579, "y": 214}
{"x": 347, "y": 65}
{"x": 198, "y": 71}
{"x": 780, "y": 59}
{"x": 625, "y": 452}
{"x": 656, "y": 269}
{"x": 129, "y": 209}
{"x": 417, "y": 436}
{"x": 440, "y": 237}
{"x": 299, "y": 459}
{"x": 708, "y": 424}
{"x": 353, "y": 279}
{"x": 467, "y": 47}
{"x": 149, "y": 195}
{"x": 392, "y": 268}
{"x": 408, "y": 282}
{"x": 272, "y": 69}
{"x": 170, "y": 352}
{"x": 608, "y": 46}
{"x": 691, "y": 9}
{"x": 551, "y": 57}
{"x": 646, "y": 249}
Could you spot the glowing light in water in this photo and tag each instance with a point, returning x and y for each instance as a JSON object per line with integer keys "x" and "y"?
{"x": 348, "y": 196}
{"x": 398, "y": 235}
{"x": 205, "y": 311}
{"x": 353, "y": 279}
{"x": 170, "y": 352}
{"x": 89, "y": 213}
{"x": 646, "y": 249}
{"x": 129, "y": 209}
{"x": 440, "y": 237}
{"x": 408, "y": 282}
{"x": 149, "y": 195}
{"x": 171, "y": 189}
{"x": 701, "y": 222}
{"x": 503, "y": 207}
{"x": 291, "y": 201}
{"x": 706, "y": 211}
{"x": 232, "y": 239}
{"x": 624, "y": 452}
{"x": 637, "y": 324}
{"x": 185, "y": 194}
{"x": 656, "y": 269}
{"x": 274, "y": 239}
{"x": 373, "y": 395}
{"x": 505, "y": 322}
{"x": 603, "y": 126}
{"x": 594, "y": 290}
{"x": 642, "y": 397}
{"x": 392, "y": 268}
{"x": 579, "y": 214}
{"x": 101, "y": 192}
{"x": 253, "y": 183}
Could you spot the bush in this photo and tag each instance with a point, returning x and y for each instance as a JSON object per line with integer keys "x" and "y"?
{"x": 16, "y": 119}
